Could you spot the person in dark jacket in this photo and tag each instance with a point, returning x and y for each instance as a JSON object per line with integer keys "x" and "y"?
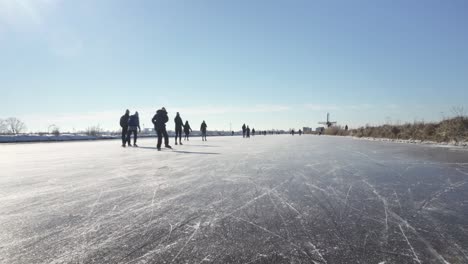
{"x": 159, "y": 120}
{"x": 133, "y": 125}
{"x": 187, "y": 130}
{"x": 243, "y": 130}
{"x": 253, "y": 132}
{"x": 124, "y": 126}
{"x": 248, "y": 132}
{"x": 300, "y": 132}
{"x": 203, "y": 130}
{"x": 178, "y": 128}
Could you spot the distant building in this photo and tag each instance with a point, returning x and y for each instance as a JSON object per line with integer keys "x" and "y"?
{"x": 307, "y": 130}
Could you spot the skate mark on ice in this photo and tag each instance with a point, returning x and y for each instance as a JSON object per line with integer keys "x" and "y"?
{"x": 279, "y": 236}
{"x": 437, "y": 194}
{"x": 462, "y": 172}
{"x": 281, "y": 216}
{"x": 416, "y": 258}
{"x": 205, "y": 259}
{"x": 286, "y": 203}
{"x": 398, "y": 200}
{"x": 196, "y": 227}
{"x": 151, "y": 217}
{"x": 345, "y": 206}
{"x": 316, "y": 251}
{"x": 385, "y": 206}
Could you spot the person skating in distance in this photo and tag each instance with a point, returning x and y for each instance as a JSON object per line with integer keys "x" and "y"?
{"x": 203, "y": 130}
{"x": 133, "y": 126}
{"x": 253, "y": 132}
{"x": 247, "y": 132}
{"x": 178, "y": 128}
{"x": 159, "y": 120}
{"x": 124, "y": 126}
{"x": 244, "y": 129}
{"x": 187, "y": 130}
{"x": 300, "y": 132}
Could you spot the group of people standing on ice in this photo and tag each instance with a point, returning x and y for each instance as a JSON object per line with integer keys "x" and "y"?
{"x": 294, "y": 132}
{"x": 246, "y": 131}
{"x": 131, "y": 123}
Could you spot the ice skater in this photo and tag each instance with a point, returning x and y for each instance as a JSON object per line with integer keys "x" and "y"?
{"x": 292, "y": 132}
{"x": 178, "y": 128}
{"x": 124, "y": 126}
{"x": 203, "y": 130}
{"x": 247, "y": 132}
{"x": 133, "y": 126}
{"x": 244, "y": 129}
{"x": 300, "y": 132}
{"x": 187, "y": 130}
{"x": 159, "y": 120}
{"x": 253, "y": 132}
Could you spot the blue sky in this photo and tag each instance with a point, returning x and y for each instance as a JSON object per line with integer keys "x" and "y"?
{"x": 270, "y": 64}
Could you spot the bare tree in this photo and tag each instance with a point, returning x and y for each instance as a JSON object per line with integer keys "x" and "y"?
{"x": 14, "y": 125}
{"x": 458, "y": 111}
{"x": 56, "y": 131}
{"x": 3, "y": 126}
{"x": 94, "y": 131}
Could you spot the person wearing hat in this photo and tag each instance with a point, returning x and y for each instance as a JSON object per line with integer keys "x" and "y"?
{"x": 178, "y": 128}
{"x": 124, "y": 126}
{"x": 159, "y": 120}
{"x": 133, "y": 125}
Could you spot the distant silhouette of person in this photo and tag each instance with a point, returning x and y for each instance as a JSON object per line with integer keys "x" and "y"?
{"x": 178, "y": 128}
{"x": 244, "y": 129}
{"x": 253, "y": 132}
{"x": 232, "y": 133}
{"x": 203, "y": 130}
{"x": 247, "y": 132}
{"x": 124, "y": 126}
{"x": 133, "y": 126}
{"x": 187, "y": 130}
{"x": 346, "y": 128}
{"x": 300, "y": 132}
{"x": 292, "y": 132}
{"x": 159, "y": 120}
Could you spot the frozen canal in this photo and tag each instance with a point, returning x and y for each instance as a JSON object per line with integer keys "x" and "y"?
{"x": 268, "y": 199}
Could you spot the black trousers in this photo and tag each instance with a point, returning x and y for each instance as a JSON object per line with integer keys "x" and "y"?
{"x": 178, "y": 133}
{"x": 203, "y": 135}
{"x": 124, "y": 135}
{"x": 187, "y": 133}
{"x": 162, "y": 132}
{"x": 129, "y": 134}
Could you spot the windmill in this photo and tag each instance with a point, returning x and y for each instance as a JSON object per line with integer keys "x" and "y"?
{"x": 328, "y": 123}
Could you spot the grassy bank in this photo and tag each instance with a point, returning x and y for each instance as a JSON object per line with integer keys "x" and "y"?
{"x": 448, "y": 130}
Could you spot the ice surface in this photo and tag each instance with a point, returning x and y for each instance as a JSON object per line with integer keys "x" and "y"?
{"x": 267, "y": 199}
